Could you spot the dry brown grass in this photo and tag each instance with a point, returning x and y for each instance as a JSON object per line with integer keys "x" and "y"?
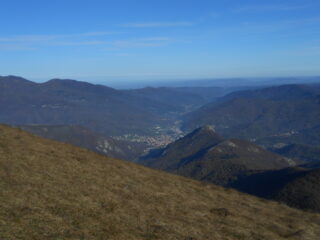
{"x": 50, "y": 190}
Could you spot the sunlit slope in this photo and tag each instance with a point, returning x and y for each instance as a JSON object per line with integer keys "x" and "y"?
{"x": 51, "y": 190}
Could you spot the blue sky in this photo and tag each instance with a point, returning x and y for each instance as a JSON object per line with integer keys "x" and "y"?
{"x": 159, "y": 39}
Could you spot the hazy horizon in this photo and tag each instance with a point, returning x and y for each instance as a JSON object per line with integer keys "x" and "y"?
{"x": 189, "y": 82}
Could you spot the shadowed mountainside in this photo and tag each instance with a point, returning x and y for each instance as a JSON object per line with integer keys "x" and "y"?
{"x": 302, "y": 152}
{"x": 297, "y": 187}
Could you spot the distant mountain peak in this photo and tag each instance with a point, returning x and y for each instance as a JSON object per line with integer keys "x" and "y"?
{"x": 12, "y": 77}
{"x": 15, "y": 79}
{"x": 65, "y": 81}
{"x": 204, "y": 129}
{"x": 208, "y": 128}
{"x": 75, "y": 84}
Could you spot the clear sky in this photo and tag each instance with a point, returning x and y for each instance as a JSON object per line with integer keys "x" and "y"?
{"x": 159, "y": 39}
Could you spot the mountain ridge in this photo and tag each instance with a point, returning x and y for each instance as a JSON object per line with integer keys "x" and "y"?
{"x": 64, "y": 102}
{"x": 262, "y": 114}
{"x": 206, "y": 156}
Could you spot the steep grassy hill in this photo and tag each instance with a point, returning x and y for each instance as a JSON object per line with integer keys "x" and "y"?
{"x": 51, "y": 190}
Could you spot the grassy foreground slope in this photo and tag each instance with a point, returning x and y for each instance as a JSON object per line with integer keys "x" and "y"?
{"x": 51, "y": 190}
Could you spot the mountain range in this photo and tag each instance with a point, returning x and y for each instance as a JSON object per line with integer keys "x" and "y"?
{"x": 262, "y": 129}
{"x": 107, "y": 111}
{"x": 185, "y": 99}
{"x": 287, "y": 114}
{"x": 269, "y": 116}
{"x": 65, "y": 102}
